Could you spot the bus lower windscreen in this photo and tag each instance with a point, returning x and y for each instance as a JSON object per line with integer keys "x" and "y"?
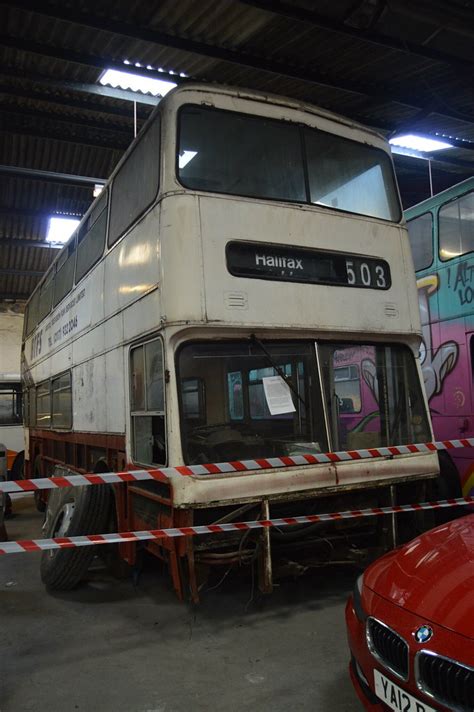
{"x": 246, "y": 400}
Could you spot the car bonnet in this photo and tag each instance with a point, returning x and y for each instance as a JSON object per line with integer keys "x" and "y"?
{"x": 432, "y": 576}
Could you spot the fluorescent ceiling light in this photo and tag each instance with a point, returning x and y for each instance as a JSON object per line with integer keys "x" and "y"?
{"x": 449, "y": 254}
{"x": 135, "y": 82}
{"x": 98, "y": 188}
{"x": 61, "y": 229}
{"x": 185, "y": 157}
{"x": 419, "y": 143}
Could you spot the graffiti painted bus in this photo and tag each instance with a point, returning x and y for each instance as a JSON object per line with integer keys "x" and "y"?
{"x": 441, "y": 233}
{"x": 243, "y": 248}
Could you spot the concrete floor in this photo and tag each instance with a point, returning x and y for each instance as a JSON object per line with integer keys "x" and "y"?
{"x": 111, "y": 647}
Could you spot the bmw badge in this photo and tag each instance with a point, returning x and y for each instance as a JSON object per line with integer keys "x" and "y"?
{"x": 423, "y": 634}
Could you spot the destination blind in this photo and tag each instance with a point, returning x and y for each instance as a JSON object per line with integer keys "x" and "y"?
{"x": 298, "y": 264}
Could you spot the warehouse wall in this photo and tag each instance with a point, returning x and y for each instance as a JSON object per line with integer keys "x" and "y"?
{"x": 11, "y": 326}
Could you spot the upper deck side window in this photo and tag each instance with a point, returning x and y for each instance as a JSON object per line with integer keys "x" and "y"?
{"x": 456, "y": 227}
{"x": 46, "y": 295}
{"x": 136, "y": 184}
{"x": 91, "y": 237}
{"x": 420, "y": 232}
{"x": 238, "y": 154}
{"x": 31, "y": 313}
{"x": 64, "y": 277}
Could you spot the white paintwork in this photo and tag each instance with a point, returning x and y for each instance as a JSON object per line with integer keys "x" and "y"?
{"x": 291, "y": 303}
{"x": 13, "y": 437}
{"x": 168, "y": 276}
{"x": 207, "y": 489}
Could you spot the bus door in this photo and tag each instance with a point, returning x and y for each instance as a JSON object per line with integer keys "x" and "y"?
{"x": 11, "y": 426}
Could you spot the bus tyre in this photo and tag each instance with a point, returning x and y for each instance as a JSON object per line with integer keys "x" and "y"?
{"x": 37, "y": 473}
{"x": 115, "y": 565}
{"x": 412, "y": 524}
{"x": 447, "y": 486}
{"x": 17, "y": 471}
{"x": 73, "y": 511}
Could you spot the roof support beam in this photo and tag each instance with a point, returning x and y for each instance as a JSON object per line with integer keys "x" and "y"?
{"x": 84, "y": 88}
{"x": 293, "y": 12}
{"x": 54, "y": 176}
{"x": 39, "y": 214}
{"x": 17, "y": 124}
{"x": 69, "y": 120}
{"x": 436, "y": 159}
{"x": 153, "y": 101}
{"x": 82, "y": 103}
{"x": 18, "y": 242}
{"x": 21, "y": 273}
{"x": 274, "y": 66}
{"x": 14, "y": 297}
{"x": 82, "y": 57}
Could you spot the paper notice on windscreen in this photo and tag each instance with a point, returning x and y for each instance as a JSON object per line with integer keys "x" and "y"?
{"x": 278, "y": 395}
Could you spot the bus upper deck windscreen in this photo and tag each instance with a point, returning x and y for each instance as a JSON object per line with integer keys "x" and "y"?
{"x": 239, "y": 154}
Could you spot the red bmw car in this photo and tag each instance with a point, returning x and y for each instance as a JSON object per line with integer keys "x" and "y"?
{"x": 410, "y": 623}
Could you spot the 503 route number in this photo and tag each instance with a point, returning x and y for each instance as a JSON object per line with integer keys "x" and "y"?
{"x": 362, "y": 273}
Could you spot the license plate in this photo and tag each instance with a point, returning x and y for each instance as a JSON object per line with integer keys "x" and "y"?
{"x": 396, "y": 698}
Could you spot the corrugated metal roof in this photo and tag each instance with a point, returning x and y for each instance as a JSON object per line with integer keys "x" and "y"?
{"x": 336, "y": 55}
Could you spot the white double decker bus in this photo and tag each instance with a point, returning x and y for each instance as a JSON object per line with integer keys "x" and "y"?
{"x": 242, "y": 288}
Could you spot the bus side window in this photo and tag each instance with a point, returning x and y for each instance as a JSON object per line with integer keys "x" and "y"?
{"x": 64, "y": 278}
{"x": 420, "y": 232}
{"x": 194, "y": 403}
{"x": 347, "y": 386}
{"x": 456, "y": 227}
{"x": 30, "y": 410}
{"x": 91, "y": 238}
{"x": 471, "y": 350}
{"x": 136, "y": 184}
{"x": 10, "y": 404}
{"x": 61, "y": 388}
{"x": 43, "y": 405}
{"x": 235, "y": 395}
{"x": 32, "y": 313}
{"x": 147, "y": 403}
{"x": 46, "y": 296}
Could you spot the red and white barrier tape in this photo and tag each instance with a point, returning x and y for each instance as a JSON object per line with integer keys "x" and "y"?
{"x": 16, "y": 547}
{"x": 222, "y": 468}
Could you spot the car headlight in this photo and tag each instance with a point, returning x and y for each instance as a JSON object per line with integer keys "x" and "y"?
{"x": 357, "y": 599}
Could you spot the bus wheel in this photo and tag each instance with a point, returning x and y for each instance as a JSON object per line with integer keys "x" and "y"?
{"x": 447, "y": 486}
{"x": 17, "y": 471}
{"x": 38, "y": 495}
{"x": 73, "y": 511}
{"x": 412, "y": 524}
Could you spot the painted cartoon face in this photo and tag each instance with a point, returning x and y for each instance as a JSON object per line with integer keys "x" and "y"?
{"x": 435, "y": 365}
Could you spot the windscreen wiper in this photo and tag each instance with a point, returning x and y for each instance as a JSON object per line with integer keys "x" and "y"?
{"x": 277, "y": 368}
